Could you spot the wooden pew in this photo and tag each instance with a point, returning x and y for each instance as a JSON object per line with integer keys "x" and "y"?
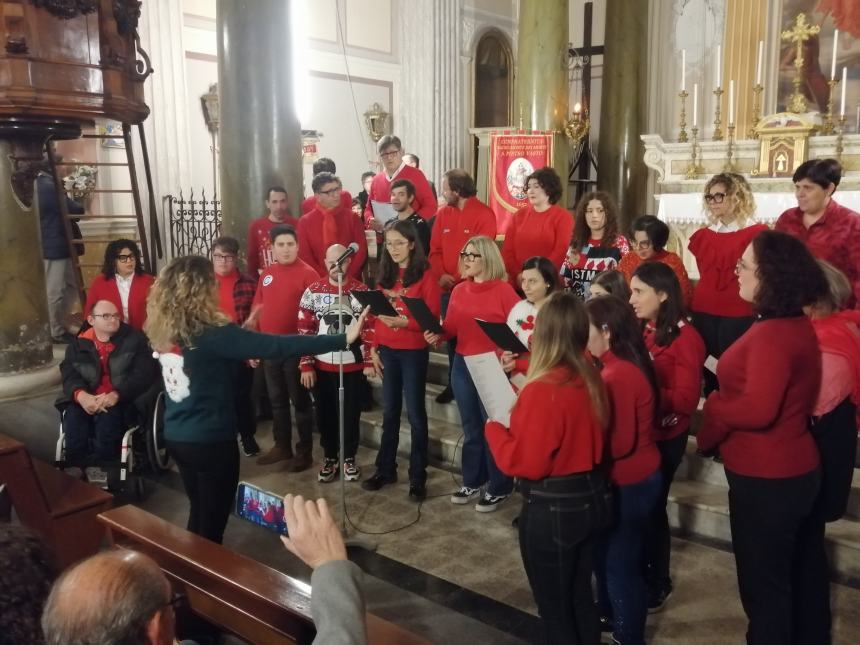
{"x": 59, "y": 507}
{"x": 229, "y": 590}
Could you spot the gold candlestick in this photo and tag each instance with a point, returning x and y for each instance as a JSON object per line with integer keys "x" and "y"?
{"x": 839, "y": 132}
{"x": 827, "y": 127}
{"x": 718, "y": 133}
{"x": 682, "y": 135}
{"x": 756, "y": 111}
{"x": 694, "y": 169}
{"x": 730, "y": 164}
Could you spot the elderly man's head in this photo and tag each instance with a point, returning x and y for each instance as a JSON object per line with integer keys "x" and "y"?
{"x": 113, "y": 597}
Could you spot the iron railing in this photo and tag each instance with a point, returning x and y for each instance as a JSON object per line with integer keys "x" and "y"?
{"x": 194, "y": 223}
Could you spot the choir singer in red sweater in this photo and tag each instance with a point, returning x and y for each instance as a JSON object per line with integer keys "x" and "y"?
{"x": 759, "y": 419}
{"x": 555, "y": 448}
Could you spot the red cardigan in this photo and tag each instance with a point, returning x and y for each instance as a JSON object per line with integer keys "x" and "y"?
{"x": 630, "y": 262}
{"x": 759, "y": 418}
{"x": 679, "y": 377}
{"x": 491, "y": 301}
{"x": 631, "y": 423}
{"x": 452, "y": 228}
{"x": 312, "y": 246}
{"x": 553, "y": 430}
{"x": 531, "y": 233}
{"x": 411, "y": 336}
{"x": 105, "y": 289}
{"x": 716, "y": 255}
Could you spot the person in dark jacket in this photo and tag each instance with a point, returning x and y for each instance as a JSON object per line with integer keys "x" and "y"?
{"x": 60, "y": 282}
{"x": 106, "y": 368}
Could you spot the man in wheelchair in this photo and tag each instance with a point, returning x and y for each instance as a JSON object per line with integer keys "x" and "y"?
{"x": 107, "y": 367}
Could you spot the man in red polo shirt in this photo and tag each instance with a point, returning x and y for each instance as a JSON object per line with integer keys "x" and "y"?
{"x": 464, "y": 217}
{"x": 324, "y": 164}
{"x": 830, "y": 231}
{"x": 393, "y": 167}
{"x": 259, "y": 255}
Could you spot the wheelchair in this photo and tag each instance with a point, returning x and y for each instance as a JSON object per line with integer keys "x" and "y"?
{"x": 142, "y": 450}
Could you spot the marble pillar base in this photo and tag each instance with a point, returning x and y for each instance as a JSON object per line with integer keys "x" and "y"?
{"x": 31, "y": 383}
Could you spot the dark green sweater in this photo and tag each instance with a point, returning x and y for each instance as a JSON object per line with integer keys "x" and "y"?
{"x": 208, "y": 413}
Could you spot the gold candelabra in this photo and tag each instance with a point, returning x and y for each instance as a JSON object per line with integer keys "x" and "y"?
{"x": 828, "y": 127}
{"x": 694, "y": 169}
{"x": 682, "y": 135}
{"x": 730, "y": 164}
{"x": 718, "y": 133}
{"x": 839, "y": 132}
{"x": 756, "y": 111}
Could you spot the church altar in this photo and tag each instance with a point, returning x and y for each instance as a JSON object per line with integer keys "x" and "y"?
{"x": 679, "y": 198}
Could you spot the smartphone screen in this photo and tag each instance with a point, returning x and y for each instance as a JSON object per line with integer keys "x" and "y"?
{"x": 261, "y": 507}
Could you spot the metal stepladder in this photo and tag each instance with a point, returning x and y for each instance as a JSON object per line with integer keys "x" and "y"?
{"x": 151, "y": 248}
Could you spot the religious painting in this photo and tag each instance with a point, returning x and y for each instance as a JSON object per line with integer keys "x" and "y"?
{"x": 817, "y": 51}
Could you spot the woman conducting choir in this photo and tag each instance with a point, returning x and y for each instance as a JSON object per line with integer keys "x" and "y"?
{"x": 678, "y": 353}
{"x": 555, "y": 448}
{"x": 400, "y": 357}
{"x": 759, "y": 420}
{"x": 123, "y": 281}
{"x": 484, "y": 293}
{"x": 720, "y": 315}
{"x": 199, "y": 347}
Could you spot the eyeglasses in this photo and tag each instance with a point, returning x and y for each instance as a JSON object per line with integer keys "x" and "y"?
{"x": 331, "y": 191}
{"x": 740, "y": 265}
{"x": 107, "y": 316}
{"x": 126, "y": 257}
{"x": 218, "y": 257}
{"x": 470, "y": 257}
{"x": 644, "y": 244}
{"x": 715, "y": 198}
{"x": 389, "y": 154}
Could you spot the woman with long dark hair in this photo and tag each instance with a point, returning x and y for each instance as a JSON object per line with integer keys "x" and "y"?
{"x": 400, "y": 356}
{"x": 123, "y": 281}
{"x": 615, "y": 340}
{"x": 759, "y": 420}
{"x": 198, "y": 347}
{"x": 555, "y": 448}
{"x": 678, "y": 353}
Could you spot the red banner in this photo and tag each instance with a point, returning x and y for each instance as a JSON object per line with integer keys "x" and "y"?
{"x": 513, "y": 157}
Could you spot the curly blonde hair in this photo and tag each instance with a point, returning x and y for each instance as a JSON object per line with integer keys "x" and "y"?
{"x": 182, "y": 303}
{"x": 738, "y": 193}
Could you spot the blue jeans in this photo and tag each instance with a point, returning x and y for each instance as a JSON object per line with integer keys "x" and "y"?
{"x": 404, "y": 377}
{"x": 620, "y": 580}
{"x": 479, "y": 467}
{"x": 107, "y": 429}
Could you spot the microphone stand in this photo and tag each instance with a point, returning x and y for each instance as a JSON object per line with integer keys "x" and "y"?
{"x": 350, "y": 542}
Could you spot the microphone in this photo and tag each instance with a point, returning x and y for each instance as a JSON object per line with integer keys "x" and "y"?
{"x": 351, "y": 250}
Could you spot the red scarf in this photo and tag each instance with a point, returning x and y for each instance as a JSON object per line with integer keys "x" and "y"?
{"x": 839, "y": 334}
{"x": 329, "y": 232}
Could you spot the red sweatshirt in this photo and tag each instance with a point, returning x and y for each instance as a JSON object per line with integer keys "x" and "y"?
{"x": 679, "y": 377}
{"x": 411, "y": 336}
{"x": 259, "y": 253}
{"x": 835, "y": 237}
{"x": 380, "y": 191}
{"x": 531, "y": 233}
{"x": 716, "y": 255}
{"x": 312, "y": 246}
{"x": 759, "y": 418}
{"x": 630, "y": 262}
{"x": 553, "y": 430}
{"x": 491, "y": 301}
{"x": 452, "y": 229}
{"x": 310, "y": 202}
{"x": 279, "y": 292}
{"x": 104, "y": 289}
{"x": 631, "y": 422}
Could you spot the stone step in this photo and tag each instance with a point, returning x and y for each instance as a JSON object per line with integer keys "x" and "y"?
{"x": 447, "y": 412}
{"x": 446, "y": 439}
{"x": 701, "y": 510}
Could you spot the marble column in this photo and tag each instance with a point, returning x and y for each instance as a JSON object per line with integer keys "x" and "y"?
{"x": 260, "y": 135}
{"x": 541, "y": 87}
{"x": 622, "y": 172}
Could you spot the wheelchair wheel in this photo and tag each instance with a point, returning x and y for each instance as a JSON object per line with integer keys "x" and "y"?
{"x": 155, "y": 446}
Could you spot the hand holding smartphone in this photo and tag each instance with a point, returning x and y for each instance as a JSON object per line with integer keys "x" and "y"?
{"x": 261, "y": 507}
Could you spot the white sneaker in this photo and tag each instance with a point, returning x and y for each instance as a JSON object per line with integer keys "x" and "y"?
{"x": 465, "y": 495}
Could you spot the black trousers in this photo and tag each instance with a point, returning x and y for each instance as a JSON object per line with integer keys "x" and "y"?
{"x": 325, "y": 396}
{"x": 246, "y": 418}
{"x": 559, "y": 523}
{"x": 284, "y": 385}
{"x": 766, "y": 519}
{"x": 210, "y": 473}
{"x": 718, "y": 332}
{"x": 658, "y": 540}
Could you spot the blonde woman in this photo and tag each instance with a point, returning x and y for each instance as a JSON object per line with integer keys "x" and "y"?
{"x": 484, "y": 293}
{"x": 555, "y": 446}
{"x": 720, "y": 315}
{"x": 198, "y": 347}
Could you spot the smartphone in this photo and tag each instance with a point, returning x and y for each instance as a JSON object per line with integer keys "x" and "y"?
{"x": 261, "y": 507}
